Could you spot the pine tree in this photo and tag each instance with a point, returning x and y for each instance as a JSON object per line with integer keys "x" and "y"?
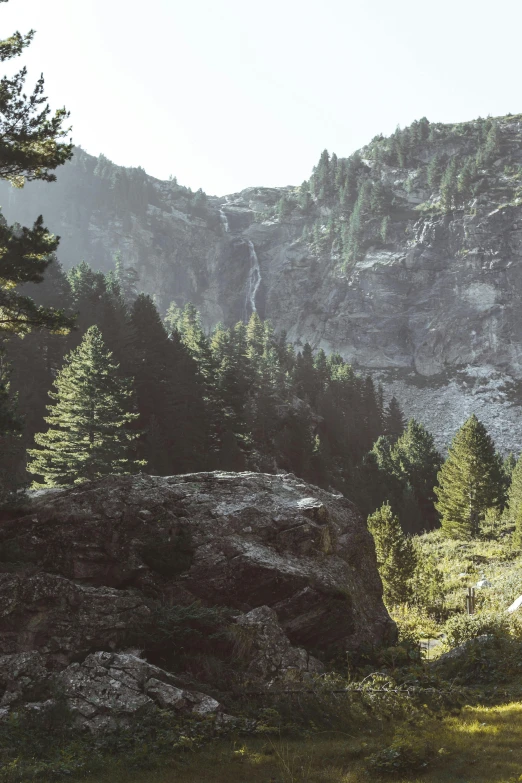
{"x": 396, "y": 559}
{"x": 492, "y": 146}
{"x": 419, "y": 462}
{"x": 448, "y": 185}
{"x": 515, "y": 495}
{"x": 394, "y": 422}
{"x": 30, "y": 149}
{"x": 435, "y": 171}
{"x": 469, "y": 482}
{"x": 379, "y": 200}
{"x": 465, "y": 178}
{"x": 186, "y": 324}
{"x": 10, "y": 429}
{"x": 169, "y": 398}
{"x": 305, "y": 379}
{"x": 88, "y": 435}
{"x": 127, "y": 278}
{"x": 389, "y": 482}
{"x": 234, "y": 379}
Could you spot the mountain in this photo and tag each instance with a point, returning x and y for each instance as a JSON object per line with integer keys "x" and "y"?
{"x": 406, "y": 258}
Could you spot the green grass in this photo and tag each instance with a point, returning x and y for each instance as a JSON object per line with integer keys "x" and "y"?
{"x": 482, "y": 744}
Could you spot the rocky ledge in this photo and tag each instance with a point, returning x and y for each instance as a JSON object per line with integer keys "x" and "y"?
{"x": 288, "y": 570}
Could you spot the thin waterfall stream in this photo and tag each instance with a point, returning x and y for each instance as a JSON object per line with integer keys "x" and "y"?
{"x": 253, "y": 282}
{"x": 224, "y": 221}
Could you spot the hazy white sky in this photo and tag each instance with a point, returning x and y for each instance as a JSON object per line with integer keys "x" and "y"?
{"x": 230, "y": 93}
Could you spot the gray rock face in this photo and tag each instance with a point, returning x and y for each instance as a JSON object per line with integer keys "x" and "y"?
{"x": 105, "y": 691}
{"x": 254, "y": 539}
{"x": 435, "y": 312}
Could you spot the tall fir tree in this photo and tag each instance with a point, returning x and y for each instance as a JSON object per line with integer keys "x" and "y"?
{"x": 514, "y": 504}
{"x": 419, "y": 462}
{"x": 396, "y": 559}
{"x": 169, "y": 397}
{"x": 186, "y": 324}
{"x": 469, "y": 482}
{"x": 89, "y": 433}
{"x": 394, "y": 422}
{"x": 30, "y": 149}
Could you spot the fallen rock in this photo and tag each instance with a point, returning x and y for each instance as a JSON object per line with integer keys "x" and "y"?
{"x": 451, "y": 662}
{"x": 268, "y": 650}
{"x": 110, "y": 690}
{"x": 242, "y": 540}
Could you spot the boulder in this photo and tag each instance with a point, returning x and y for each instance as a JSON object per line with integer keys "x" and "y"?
{"x": 269, "y": 652}
{"x": 109, "y": 690}
{"x": 241, "y": 540}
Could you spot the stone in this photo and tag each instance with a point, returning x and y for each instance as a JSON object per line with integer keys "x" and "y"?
{"x": 23, "y": 678}
{"x": 268, "y": 649}
{"x": 61, "y": 619}
{"x": 111, "y": 689}
{"x": 255, "y": 540}
{"x": 295, "y": 566}
{"x": 450, "y": 660}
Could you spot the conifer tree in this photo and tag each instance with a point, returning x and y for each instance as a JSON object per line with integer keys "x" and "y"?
{"x": 469, "y": 482}
{"x": 419, "y": 462}
{"x": 305, "y": 380}
{"x": 234, "y": 379}
{"x": 448, "y": 185}
{"x": 169, "y": 397}
{"x": 10, "y": 429}
{"x": 396, "y": 559}
{"x": 379, "y": 200}
{"x": 515, "y": 496}
{"x": 435, "y": 171}
{"x": 30, "y": 149}
{"x": 394, "y": 421}
{"x": 88, "y": 435}
{"x": 127, "y": 278}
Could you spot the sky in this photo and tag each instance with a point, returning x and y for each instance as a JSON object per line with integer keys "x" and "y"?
{"x": 227, "y": 94}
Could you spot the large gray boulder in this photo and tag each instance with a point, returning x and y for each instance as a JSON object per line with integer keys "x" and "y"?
{"x": 238, "y": 540}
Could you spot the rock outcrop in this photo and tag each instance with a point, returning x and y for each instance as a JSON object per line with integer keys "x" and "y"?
{"x": 85, "y": 569}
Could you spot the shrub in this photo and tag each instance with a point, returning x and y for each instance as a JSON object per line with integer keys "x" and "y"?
{"x": 407, "y": 753}
{"x": 463, "y": 627}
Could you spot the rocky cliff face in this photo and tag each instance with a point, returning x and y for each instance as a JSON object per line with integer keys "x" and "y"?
{"x": 87, "y": 572}
{"x": 433, "y": 309}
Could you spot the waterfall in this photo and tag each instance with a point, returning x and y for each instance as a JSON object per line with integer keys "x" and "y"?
{"x": 253, "y": 283}
{"x": 224, "y": 221}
